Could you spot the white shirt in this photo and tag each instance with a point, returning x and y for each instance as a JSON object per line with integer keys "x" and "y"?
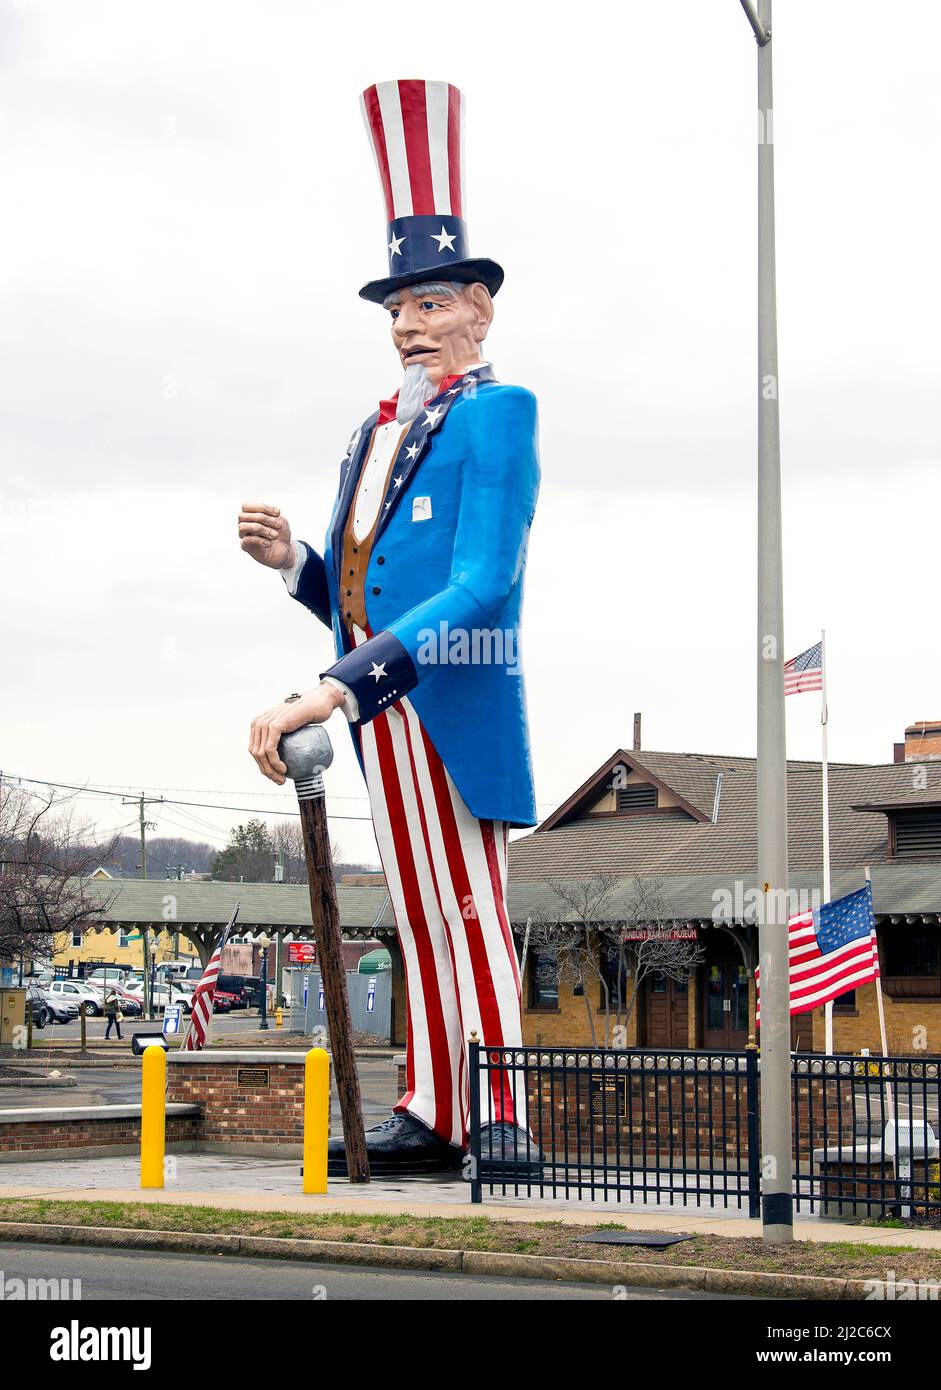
{"x": 386, "y": 439}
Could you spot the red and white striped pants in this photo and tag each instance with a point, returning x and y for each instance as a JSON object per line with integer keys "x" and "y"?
{"x": 446, "y": 875}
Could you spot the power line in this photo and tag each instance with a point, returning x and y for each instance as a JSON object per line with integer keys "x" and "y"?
{"x": 170, "y": 801}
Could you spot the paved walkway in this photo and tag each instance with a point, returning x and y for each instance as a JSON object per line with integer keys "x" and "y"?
{"x": 258, "y": 1184}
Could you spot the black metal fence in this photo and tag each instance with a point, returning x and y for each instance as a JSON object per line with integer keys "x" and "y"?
{"x": 866, "y": 1136}
{"x": 682, "y": 1128}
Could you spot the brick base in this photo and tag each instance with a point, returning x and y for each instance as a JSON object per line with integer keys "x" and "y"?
{"x": 253, "y": 1100}
{"x": 87, "y": 1136}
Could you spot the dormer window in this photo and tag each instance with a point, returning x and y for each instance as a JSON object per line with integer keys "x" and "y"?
{"x": 637, "y": 796}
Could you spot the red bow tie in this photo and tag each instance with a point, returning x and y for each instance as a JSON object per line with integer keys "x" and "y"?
{"x": 387, "y": 408}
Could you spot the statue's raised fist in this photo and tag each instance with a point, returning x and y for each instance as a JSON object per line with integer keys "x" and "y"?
{"x": 265, "y": 535}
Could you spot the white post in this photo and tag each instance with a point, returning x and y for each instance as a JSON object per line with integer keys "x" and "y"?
{"x": 825, "y": 784}
{"x": 889, "y": 1103}
{"x": 777, "y": 1200}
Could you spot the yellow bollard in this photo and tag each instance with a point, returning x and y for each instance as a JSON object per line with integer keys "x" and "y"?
{"x": 316, "y": 1119}
{"x": 153, "y": 1116}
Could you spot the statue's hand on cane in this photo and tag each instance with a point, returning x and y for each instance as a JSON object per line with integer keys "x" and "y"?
{"x": 313, "y": 707}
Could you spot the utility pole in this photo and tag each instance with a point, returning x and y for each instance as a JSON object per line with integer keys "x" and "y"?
{"x": 777, "y": 1201}
{"x": 142, "y": 802}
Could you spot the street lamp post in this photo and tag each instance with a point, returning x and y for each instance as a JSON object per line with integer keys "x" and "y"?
{"x": 264, "y": 942}
{"x": 777, "y": 1202}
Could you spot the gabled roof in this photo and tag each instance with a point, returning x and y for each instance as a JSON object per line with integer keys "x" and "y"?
{"x": 693, "y": 789}
{"x": 575, "y": 843}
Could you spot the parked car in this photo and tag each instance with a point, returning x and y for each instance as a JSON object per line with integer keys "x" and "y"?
{"x": 76, "y": 992}
{"x": 161, "y": 995}
{"x": 173, "y": 969}
{"x": 223, "y": 1002}
{"x": 104, "y": 975}
{"x": 46, "y": 1008}
{"x": 245, "y": 988}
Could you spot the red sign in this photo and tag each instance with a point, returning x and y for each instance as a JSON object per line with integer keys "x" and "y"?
{"x": 660, "y": 934}
{"x": 302, "y": 952}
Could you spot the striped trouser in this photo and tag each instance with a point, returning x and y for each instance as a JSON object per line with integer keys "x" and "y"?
{"x": 446, "y": 874}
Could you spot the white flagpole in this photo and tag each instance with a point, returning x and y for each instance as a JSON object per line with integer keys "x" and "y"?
{"x": 890, "y": 1108}
{"x": 825, "y": 784}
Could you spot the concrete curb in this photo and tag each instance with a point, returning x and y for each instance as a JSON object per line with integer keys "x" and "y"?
{"x": 698, "y": 1278}
{"x": 49, "y": 1082}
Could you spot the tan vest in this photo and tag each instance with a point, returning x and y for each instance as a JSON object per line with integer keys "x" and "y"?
{"x": 357, "y": 553}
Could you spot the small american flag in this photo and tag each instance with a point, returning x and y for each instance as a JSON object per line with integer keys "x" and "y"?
{"x": 804, "y": 672}
{"x": 205, "y": 993}
{"x": 830, "y": 951}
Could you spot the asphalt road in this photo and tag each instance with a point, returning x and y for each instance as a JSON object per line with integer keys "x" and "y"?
{"x": 136, "y": 1275}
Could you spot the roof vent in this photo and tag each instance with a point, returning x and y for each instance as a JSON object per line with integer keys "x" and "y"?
{"x": 637, "y": 796}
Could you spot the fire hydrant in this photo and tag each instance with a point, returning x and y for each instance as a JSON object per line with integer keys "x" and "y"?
{"x": 278, "y": 1017}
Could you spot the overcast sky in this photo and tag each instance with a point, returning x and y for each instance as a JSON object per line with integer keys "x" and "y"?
{"x": 190, "y": 206}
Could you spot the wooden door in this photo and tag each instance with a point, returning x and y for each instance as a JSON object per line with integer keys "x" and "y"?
{"x": 666, "y": 1022}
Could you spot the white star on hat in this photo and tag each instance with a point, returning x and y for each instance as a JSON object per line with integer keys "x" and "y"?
{"x": 378, "y": 672}
{"x": 444, "y": 238}
{"x": 394, "y": 245}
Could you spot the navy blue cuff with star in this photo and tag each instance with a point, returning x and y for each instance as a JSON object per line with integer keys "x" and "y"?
{"x": 378, "y": 673}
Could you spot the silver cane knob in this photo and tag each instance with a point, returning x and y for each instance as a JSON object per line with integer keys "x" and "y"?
{"x": 306, "y": 752}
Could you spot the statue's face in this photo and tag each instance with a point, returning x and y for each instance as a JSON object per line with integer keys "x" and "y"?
{"x": 441, "y": 331}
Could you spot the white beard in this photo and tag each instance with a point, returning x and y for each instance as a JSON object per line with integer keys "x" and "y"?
{"x": 416, "y": 388}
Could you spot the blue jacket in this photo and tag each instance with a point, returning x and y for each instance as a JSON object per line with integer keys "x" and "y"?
{"x": 444, "y": 587}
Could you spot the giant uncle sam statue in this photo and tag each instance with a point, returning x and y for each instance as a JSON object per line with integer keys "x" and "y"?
{"x": 421, "y": 580}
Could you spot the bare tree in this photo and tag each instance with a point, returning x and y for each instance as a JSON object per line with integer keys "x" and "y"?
{"x": 586, "y": 943}
{"x": 287, "y": 840}
{"x": 46, "y": 856}
{"x": 650, "y": 942}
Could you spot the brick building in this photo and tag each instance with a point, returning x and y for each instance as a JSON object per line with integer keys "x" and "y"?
{"x": 687, "y": 821}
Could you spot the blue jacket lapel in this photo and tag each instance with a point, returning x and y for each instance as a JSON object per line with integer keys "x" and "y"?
{"x": 415, "y": 445}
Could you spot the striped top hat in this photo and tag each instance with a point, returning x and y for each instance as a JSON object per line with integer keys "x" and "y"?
{"x": 416, "y": 130}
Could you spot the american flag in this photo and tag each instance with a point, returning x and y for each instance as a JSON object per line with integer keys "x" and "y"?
{"x": 830, "y": 951}
{"x": 205, "y": 992}
{"x": 804, "y": 672}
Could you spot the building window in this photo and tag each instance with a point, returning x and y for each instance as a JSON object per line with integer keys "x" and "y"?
{"x": 77, "y": 939}
{"x": 911, "y": 961}
{"x": 614, "y": 970}
{"x": 124, "y": 938}
{"x": 845, "y": 1003}
{"x": 543, "y": 980}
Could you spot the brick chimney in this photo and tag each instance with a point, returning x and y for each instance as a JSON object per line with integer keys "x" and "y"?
{"x": 922, "y": 742}
{"x": 637, "y": 733}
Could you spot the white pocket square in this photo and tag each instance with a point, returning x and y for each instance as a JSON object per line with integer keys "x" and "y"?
{"x": 421, "y": 508}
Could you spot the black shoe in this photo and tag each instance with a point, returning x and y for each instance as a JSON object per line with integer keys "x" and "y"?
{"x": 400, "y": 1144}
{"x": 509, "y": 1155}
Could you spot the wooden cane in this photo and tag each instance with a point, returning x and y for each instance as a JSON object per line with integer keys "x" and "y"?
{"x": 306, "y": 753}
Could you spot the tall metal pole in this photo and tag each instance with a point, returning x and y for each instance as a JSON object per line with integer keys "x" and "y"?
{"x": 777, "y": 1203}
{"x": 825, "y": 817}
